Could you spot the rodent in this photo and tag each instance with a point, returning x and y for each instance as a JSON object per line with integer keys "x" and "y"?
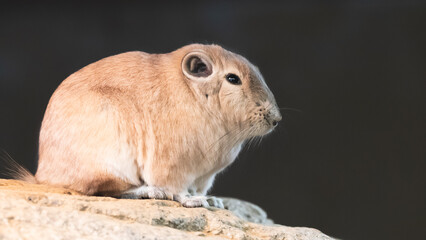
{"x": 139, "y": 125}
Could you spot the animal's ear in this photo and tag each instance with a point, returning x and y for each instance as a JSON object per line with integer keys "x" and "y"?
{"x": 197, "y": 65}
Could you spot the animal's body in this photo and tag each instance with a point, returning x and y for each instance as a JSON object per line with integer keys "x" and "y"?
{"x": 145, "y": 125}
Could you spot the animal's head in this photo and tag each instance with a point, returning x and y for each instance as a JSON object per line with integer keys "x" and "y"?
{"x": 231, "y": 87}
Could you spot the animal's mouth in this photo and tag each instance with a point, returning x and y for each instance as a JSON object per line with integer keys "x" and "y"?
{"x": 271, "y": 129}
{"x": 274, "y": 123}
{"x": 266, "y": 128}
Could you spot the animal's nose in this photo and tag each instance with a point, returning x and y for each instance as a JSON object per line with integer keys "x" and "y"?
{"x": 276, "y": 119}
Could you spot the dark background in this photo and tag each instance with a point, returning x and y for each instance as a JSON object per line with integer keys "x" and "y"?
{"x": 351, "y": 164}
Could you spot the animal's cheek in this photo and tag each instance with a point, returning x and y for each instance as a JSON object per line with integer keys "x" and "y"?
{"x": 254, "y": 119}
{"x": 259, "y": 116}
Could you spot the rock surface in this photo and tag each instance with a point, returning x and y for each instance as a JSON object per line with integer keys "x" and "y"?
{"x": 29, "y": 211}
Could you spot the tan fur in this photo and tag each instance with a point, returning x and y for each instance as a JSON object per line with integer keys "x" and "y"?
{"x": 138, "y": 119}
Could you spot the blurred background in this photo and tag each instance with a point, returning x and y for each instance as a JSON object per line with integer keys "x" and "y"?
{"x": 351, "y": 163}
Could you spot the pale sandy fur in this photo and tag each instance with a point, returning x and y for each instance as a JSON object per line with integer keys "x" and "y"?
{"x": 136, "y": 119}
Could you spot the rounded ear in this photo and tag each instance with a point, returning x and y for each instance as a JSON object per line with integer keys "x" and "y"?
{"x": 197, "y": 65}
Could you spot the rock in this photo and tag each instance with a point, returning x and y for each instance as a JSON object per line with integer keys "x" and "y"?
{"x": 30, "y": 211}
{"x": 247, "y": 211}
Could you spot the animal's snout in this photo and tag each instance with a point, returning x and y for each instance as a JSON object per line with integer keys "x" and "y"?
{"x": 275, "y": 118}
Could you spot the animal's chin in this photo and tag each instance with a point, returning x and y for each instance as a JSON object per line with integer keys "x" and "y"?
{"x": 262, "y": 130}
{"x": 269, "y": 130}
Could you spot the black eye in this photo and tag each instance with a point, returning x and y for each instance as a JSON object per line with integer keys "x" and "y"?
{"x": 233, "y": 79}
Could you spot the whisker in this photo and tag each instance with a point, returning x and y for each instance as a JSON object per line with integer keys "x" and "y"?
{"x": 237, "y": 136}
{"x": 260, "y": 140}
{"x": 251, "y": 140}
{"x": 222, "y": 137}
{"x": 292, "y": 109}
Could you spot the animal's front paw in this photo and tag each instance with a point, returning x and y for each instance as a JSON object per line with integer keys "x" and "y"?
{"x": 147, "y": 192}
{"x": 198, "y": 201}
{"x": 195, "y": 201}
{"x": 191, "y": 201}
{"x": 215, "y": 202}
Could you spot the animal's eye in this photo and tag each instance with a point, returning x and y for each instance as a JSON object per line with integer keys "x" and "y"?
{"x": 233, "y": 79}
